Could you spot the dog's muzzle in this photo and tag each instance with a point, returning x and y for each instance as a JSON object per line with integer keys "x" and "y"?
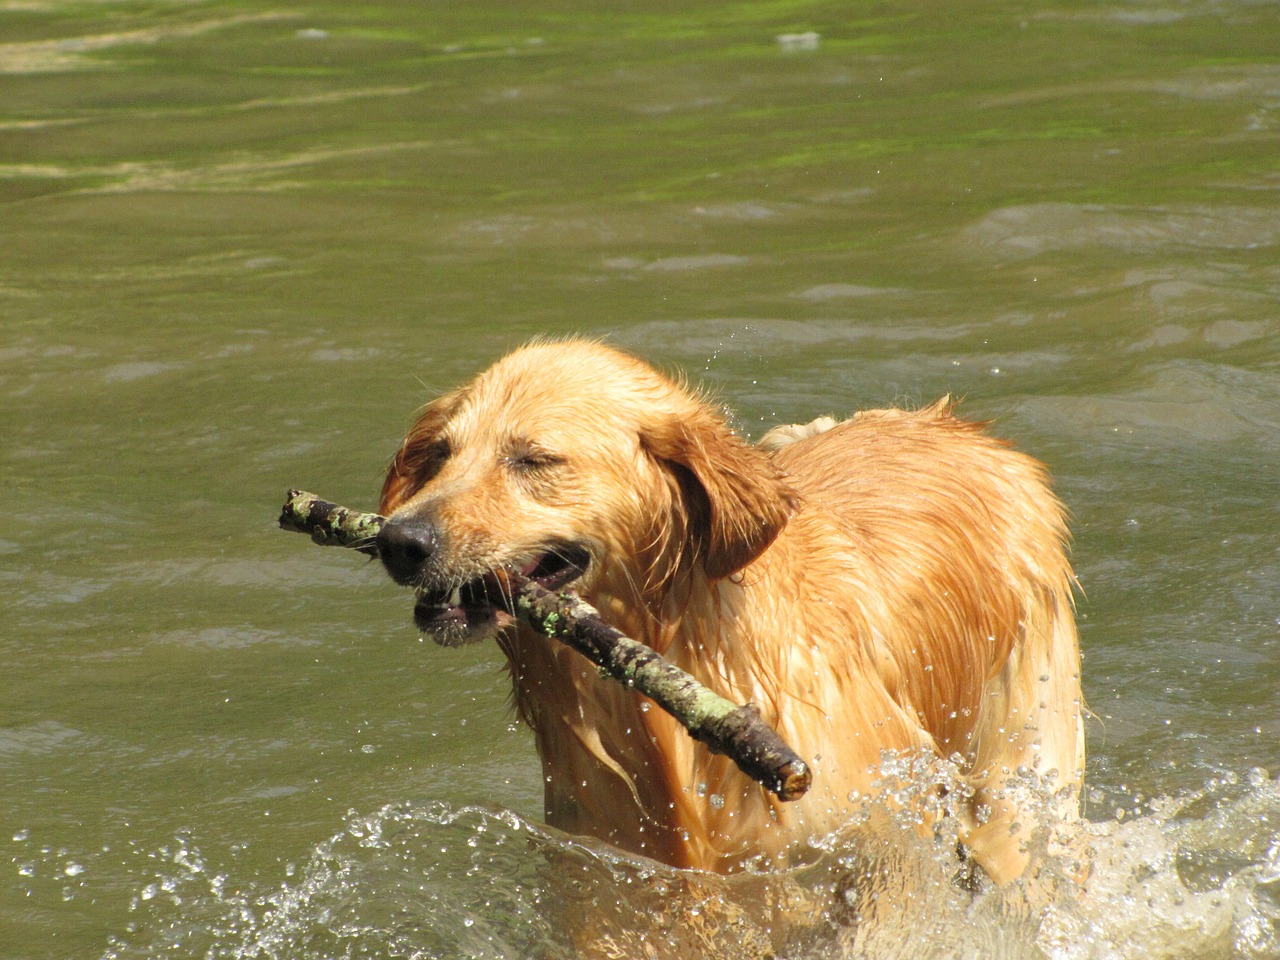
{"x": 452, "y": 610}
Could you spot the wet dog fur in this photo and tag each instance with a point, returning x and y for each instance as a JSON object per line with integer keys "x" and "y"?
{"x": 894, "y": 582}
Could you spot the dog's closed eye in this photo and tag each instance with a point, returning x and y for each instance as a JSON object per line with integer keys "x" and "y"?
{"x": 529, "y": 458}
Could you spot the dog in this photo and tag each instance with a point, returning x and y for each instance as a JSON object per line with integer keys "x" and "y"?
{"x": 896, "y": 583}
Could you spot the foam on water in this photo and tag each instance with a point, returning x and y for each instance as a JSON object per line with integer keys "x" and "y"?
{"x": 1197, "y": 877}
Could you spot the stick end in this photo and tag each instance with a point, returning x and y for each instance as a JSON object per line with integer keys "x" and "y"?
{"x": 289, "y": 516}
{"x": 794, "y": 781}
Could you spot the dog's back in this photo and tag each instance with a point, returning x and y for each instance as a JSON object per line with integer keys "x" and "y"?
{"x": 948, "y": 593}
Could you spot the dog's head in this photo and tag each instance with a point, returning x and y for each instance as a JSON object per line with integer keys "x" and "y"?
{"x": 569, "y": 462}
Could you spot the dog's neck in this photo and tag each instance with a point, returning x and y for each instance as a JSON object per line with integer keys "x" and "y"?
{"x": 615, "y": 766}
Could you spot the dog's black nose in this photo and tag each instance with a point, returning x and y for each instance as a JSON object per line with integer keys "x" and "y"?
{"x": 405, "y": 547}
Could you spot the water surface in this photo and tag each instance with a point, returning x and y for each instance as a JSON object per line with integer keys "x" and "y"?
{"x": 239, "y": 243}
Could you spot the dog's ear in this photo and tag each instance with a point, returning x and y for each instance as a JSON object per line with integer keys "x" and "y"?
{"x": 419, "y": 457}
{"x": 736, "y": 502}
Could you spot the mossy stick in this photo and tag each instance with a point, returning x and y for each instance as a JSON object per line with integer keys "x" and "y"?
{"x": 725, "y": 727}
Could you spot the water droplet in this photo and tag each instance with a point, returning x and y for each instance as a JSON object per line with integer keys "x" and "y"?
{"x": 73, "y": 869}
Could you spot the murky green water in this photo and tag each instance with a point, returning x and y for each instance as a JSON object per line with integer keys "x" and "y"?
{"x": 239, "y": 243}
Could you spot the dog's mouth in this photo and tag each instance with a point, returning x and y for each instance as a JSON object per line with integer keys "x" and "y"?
{"x": 463, "y": 613}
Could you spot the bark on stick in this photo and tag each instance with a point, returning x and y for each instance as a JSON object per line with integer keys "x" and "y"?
{"x": 725, "y": 727}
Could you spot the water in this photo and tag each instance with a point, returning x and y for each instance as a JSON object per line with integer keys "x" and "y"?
{"x": 240, "y": 243}
{"x": 1197, "y": 877}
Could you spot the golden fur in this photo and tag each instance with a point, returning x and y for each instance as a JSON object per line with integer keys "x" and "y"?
{"x": 894, "y": 582}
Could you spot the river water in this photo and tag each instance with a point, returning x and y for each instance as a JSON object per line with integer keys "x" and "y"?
{"x": 240, "y": 242}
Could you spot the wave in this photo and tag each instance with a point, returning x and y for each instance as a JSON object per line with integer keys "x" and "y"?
{"x": 1196, "y": 877}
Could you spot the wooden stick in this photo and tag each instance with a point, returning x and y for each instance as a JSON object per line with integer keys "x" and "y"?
{"x": 726, "y": 728}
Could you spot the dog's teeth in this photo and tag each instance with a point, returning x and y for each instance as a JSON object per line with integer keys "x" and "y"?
{"x": 455, "y": 597}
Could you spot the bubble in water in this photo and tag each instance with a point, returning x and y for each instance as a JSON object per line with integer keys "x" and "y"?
{"x": 793, "y": 42}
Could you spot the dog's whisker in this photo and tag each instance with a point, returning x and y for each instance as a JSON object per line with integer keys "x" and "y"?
{"x": 505, "y": 589}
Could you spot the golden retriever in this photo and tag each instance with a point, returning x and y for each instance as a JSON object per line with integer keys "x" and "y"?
{"x": 895, "y": 582}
